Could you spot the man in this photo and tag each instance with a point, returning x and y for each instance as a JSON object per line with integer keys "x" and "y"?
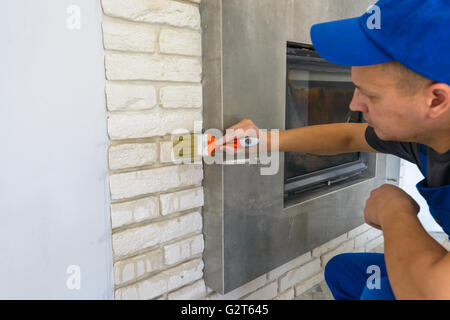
{"x": 401, "y": 71}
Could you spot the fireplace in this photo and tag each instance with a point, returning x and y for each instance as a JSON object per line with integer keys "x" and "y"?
{"x": 250, "y": 228}
{"x": 317, "y": 92}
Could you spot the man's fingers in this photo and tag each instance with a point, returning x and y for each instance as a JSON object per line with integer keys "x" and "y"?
{"x": 241, "y": 129}
{"x": 225, "y": 139}
{"x": 232, "y": 134}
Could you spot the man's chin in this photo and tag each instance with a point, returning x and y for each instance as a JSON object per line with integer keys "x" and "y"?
{"x": 380, "y": 134}
{"x": 390, "y": 137}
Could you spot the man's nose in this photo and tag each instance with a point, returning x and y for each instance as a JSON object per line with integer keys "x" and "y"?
{"x": 357, "y": 103}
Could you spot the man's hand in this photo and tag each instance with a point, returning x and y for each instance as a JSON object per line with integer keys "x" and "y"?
{"x": 244, "y": 128}
{"x": 387, "y": 200}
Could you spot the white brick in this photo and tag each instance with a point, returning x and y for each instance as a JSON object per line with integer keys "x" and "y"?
{"x": 125, "y": 36}
{"x": 358, "y": 230}
{"x": 181, "y": 250}
{"x": 132, "y": 155}
{"x": 166, "y": 155}
{"x": 317, "y": 252}
{"x": 308, "y": 283}
{"x": 132, "y": 240}
{"x": 197, "y": 245}
{"x": 276, "y": 273}
{"x": 166, "y": 149}
{"x": 131, "y": 184}
{"x": 213, "y": 295}
{"x": 299, "y": 274}
{"x": 127, "y": 96}
{"x": 177, "y": 252}
{"x": 402, "y": 174}
{"x": 140, "y": 268}
{"x": 183, "y": 42}
{"x": 287, "y": 295}
{"x": 241, "y": 291}
{"x": 369, "y": 246}
{"x": 139, "y": 66}
{"x": 446, "y": 243}
{"x": 128, "y": 272}
{"x": 181, "y": 97}
{"x": 181, "y": 200}
{"x": 134, "y": 211}
{"x": 133, "y": 125}
{"x": 347, "y": 246}
{"x": 127, "y": 293}
{"x": 362, "y": 239}
{"x": 266, "y": 293}
{"x": 151, "y": 288}
{"x": 143, "y": 290}
{"x": 154, "y": 11}
{"x": 130, "y": 269}
{"x": 195, "y": 291}
{"x": 186, "y": 273}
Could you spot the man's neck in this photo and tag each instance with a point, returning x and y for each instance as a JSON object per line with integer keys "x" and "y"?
{"x": 440, "y": 144}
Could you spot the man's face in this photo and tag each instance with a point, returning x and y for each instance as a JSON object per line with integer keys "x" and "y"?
{"x": 394, "y": 116}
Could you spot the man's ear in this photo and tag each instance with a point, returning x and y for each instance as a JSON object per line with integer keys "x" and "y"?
{"x": 438, "y": 99}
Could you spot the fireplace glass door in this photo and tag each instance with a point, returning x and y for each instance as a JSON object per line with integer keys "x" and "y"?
{"x": 318, "y": 92}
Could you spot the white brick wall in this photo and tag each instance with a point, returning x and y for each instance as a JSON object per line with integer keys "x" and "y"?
{"x": 155, "y": 11}
{"x": 153, "y": 74}
{"x": 299, "y": 274}
{"x": 133, "y": 125}
{"x": 183, "y": 42}
{"x": 133, "y": 240}
{"x": 181, "y": 200}
{"x": 308, "y": 283}
{"x": 130, "y": 212}
{"x": 181, "y": 97}
{"x": 132, "y": 155}
{"x": 365, "y": 237}
{"x": 195, "y": 291}
{"x": 165, "y": 281}
{"x": 131, "y": 184}
{"x": 124, "y": 36}
{"x": 267, "y": 292}
{"x": 143, "y": 66}
{"x": 181, "y": 250}
{"x": 153, "y": 87}
{"x": 130, "y": 96}
{"x": 136, "y": 267}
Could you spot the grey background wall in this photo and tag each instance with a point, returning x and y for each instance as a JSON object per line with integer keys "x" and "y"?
{"x": 54, "y": 195}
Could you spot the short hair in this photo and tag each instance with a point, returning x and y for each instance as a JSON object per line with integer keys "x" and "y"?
{"x": 409, "y": 82}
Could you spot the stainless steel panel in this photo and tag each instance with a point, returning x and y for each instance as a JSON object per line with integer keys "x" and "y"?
{"x": 248, "y": 232}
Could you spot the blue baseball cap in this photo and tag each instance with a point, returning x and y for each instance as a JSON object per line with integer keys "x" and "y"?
{"x": 415, "y": 33}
